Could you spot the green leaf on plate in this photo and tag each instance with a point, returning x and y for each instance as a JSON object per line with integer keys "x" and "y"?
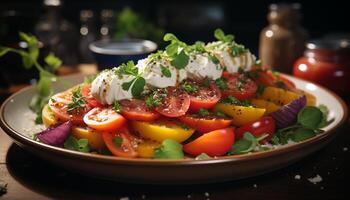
{"x": 169, "y": 149}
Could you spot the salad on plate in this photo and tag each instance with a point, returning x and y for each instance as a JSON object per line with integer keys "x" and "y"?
{"x": 194, "y": 101}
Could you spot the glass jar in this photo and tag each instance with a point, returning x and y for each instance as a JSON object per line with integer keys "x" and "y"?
{"x": 283, "y": 40}
{"x": 326, "y": 62}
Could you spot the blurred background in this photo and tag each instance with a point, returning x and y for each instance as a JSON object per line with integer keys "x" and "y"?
{"x": 68, "y": 27}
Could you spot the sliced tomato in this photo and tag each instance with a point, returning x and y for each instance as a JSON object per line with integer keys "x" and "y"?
{"x": 127, "y": 146}
{"x": 204, "y": 97}
{"x": 205, "y": 124}
{"x": 267, "y": 78}
{"x": 215, "y": 143}
{"x": 240, "y": 87}
{"x": 92, "y": 101}
{"x": 136, "y": 109}
{"x": 59, "y": 106}
{"x": 175, "y": 103}
{"x": 265, "y": 125}
{"x": 104, "y": 119}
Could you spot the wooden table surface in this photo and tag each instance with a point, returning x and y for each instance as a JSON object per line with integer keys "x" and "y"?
{"x": 30, "y": 177}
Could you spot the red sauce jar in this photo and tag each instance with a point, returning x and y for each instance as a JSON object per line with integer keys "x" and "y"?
{"x": 326, "y": 62}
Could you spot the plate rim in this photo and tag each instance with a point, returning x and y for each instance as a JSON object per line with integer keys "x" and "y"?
{"x": 20, "y": 138}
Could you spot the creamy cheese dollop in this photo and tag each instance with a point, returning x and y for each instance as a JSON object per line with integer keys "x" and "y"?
{"x": 107, "y": 87}
{"x": 151, "y": 71}
{"x": 201, "y": 66}
{"x": 223, "y": 53}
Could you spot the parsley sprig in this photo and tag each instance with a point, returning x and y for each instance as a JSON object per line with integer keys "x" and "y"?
{"x": 137, "y": 84}
{"x": 30, "y": 58}
{"x": 78, "y": 101}
{"x": 176, "y": 51}
{"x": 233, "y": 101}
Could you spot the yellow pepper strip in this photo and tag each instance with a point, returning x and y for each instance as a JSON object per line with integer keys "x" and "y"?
{"x": 241, "y": 114}
{"x": 282, "y": 97}
{"x": 49, "y": 119}
{"x": 160, "y": 132}
{"x": 94, "y": 137}
{"x": 269, "y": 106}
{"x": 146, "y": 149}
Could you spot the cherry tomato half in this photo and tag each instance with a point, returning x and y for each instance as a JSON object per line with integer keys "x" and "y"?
{"x": 136, "y": 109}
{"x": 127, "y": 146}
{"x": 205, "y": 124}
{"x": 175, "y": 103}
{"x": 86, "y": 93}
{"x": 265, "y": 125}
{"x": 59, "y": 106}
{"x": 204, "y": 97}
{"x": 215, "y": 143}
{"x": 104, "y": 119}
{"x": 239, "y": 86}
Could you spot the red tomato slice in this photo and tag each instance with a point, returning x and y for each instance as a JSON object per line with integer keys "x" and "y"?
{"x": 265, "y": 125}
{"x": 59, "y": 106}
{"x": 205, "y": 97}
{"x": 205, "y": 124}
{"x": 240, "y": 87}
{"x": 175, "y": 104}
{"x": 215, "y": 143}
{"x": 136, "y": 109}
{"x": 104, "y": 119}
{"x": 92, "y": 101}
{"x": 267, "y": 78}
{"x": 127, "y": 146}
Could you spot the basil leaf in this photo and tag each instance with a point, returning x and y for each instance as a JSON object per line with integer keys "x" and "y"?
{"x": 180, "y": 60}
{"x": 169, "y": 149}
{"x": 138, "y": 86}
{"x": 126, "y": 85}
{"x": 310, "y": 117}
{"x": 83, "y": 145}
{"x": 244, "y": 145}
{"x": 53, "y": 61}
{"x": 71, "y": 143}
{"x": 171, "y": 49}
{"x": 302, "y": 134}
{"x": 165, "y": 71}
{"x": 170, "y": 37}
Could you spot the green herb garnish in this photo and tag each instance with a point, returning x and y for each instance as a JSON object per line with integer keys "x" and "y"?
{"x": 202, "y": 156}
{"x": 203, "y": 112}
{"x": 137, "y": 84}
{"x": 221, "y": 36}
{"x": 176, "y": 51}
{"x": 165, "y": 71}
{"x": 260, "y": 90}
{"x": 46, "y": 76}
{"x": 117, "y": 107}
{"x": 89, "y": 79}
{"x": 221, "y": 83}
{"x": 246, "y": 144}
{"x": 118, "y": 141}
{"x": 81, "y": 145}
{"x": 189, "y": 88}
{"x": 152, "y": 102}
{"x": 78, "y": 101}
{"x": 169, "y": 149}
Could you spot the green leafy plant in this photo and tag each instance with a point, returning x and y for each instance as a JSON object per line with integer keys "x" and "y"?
{"x": 81, "y": 145}
{"x": 246, "y": 144}
{"x": 46, "y": 73}
{"x": 137, "y": 84}
{"x": 176, "y": 51}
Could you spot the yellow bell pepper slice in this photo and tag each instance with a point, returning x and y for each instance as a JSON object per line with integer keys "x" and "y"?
{"x": 241, "y": 114}
{"x": 49, "y": 119}
{"x": 160, "y": 131}
{"x": 146, "y": 149}
{"x": 94, "y": 137}
{"x": 269, "y": 106}
{"x": 282, "y": 97}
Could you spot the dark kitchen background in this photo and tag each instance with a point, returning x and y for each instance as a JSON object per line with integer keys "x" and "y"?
{"x": 190, "y": 20}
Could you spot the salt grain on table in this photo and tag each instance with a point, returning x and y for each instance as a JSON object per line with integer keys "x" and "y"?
{"x": 255, "y": 185}
{"x": 315, "y": 179}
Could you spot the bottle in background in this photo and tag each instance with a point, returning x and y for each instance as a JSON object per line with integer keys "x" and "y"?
{"x": 57, "y": 34}
{"x": 87, "y": 36}
{"x": 283, "y": 40}
{"x": 107, "y": 24}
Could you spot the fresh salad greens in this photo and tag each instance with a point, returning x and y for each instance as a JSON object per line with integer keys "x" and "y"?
{"x": 30, "y": 58}
{"x": 169, "y": 149}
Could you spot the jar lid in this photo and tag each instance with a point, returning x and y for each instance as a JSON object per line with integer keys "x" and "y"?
{"x": 330, "y": 44}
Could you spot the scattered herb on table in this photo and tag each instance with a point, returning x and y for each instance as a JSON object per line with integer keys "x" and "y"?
{"x": 46, "y": 73}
